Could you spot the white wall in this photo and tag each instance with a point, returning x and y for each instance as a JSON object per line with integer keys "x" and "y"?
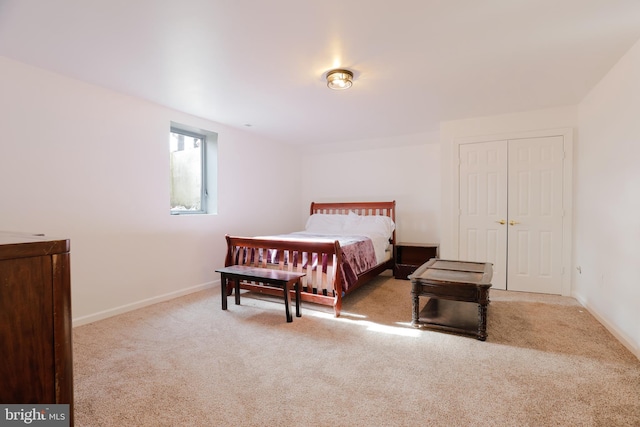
{"x": 607, "y": 201}
{"x": 84, "y": 163}
{"x": 405, "y": 169}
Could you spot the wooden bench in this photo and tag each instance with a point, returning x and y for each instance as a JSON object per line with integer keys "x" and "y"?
{"x": 262, "y": 277}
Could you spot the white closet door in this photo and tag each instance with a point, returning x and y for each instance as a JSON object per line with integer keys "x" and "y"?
{"x": 511, "y": 211}
{"x": 483, "y": 206}
{"x": 535, "y": 215}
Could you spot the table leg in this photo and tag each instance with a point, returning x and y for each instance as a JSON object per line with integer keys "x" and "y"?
{"x": 237, "y": 290}
{"x": 223, "y": 290}
{"x": 482, "y": 322}
{"x": 287, "y": 299}
{"x": 415, "y": 305}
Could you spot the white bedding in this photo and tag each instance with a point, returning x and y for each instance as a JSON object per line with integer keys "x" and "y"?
{"x": 378, "y": 228}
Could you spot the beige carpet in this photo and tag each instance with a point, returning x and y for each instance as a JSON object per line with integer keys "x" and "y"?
{"x": 546, "y": 362}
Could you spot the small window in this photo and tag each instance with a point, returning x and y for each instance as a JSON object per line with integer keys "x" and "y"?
{"x": 190, "y": 163}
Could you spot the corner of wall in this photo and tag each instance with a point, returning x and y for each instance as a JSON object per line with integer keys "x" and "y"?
{"x": 619, "y": 335}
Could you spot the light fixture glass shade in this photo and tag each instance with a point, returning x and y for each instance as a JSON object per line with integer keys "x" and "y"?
{"x": 339, "y": 79}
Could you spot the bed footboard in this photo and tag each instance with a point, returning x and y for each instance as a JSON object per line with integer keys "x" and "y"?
{"x": 319, "y": 261}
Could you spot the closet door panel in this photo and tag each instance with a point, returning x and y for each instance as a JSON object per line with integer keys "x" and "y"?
{"x": 483, "y": 206}
{"x": 535, "y": 204}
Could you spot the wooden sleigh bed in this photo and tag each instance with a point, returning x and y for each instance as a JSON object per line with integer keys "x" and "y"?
{"x": 332, "y": 272}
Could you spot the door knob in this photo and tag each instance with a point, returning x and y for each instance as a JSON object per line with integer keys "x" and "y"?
{"x": 512, "y": 222}
{"x": 502, "y": 221}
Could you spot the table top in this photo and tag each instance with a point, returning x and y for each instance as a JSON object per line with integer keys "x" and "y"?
{"x": 454, "y": 272}
{"x": 261, "y": 273}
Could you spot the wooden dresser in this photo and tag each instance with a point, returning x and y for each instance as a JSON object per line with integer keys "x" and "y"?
{"x": 35, "y": 321}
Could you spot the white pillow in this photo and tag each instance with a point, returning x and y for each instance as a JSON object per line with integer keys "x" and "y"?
{"x": 326, "y": 223}
{"x": 369, "y": 224}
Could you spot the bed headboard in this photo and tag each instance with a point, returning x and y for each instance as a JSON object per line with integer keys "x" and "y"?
{"x": 360, "y": 208}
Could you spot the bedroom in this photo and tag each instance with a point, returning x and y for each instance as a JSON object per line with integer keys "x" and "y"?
{"x": 84, "y": 162}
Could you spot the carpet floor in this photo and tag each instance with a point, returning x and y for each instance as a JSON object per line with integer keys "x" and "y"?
{"x": 185, "y": 362}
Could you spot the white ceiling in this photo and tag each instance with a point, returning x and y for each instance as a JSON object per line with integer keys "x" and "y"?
{"x": 263, "y": 62}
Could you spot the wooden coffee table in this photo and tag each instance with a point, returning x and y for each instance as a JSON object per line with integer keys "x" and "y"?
{"x": 454, "y": 289}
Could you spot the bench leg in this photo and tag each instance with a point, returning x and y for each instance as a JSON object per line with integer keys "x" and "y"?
{"x": 237, "y": 290}
{"x": 223, "y": 291}
{"x": 298, "y": 286}
{"x": 287, "y": 301}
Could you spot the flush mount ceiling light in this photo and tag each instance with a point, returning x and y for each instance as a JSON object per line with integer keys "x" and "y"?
{"x": 339, "y": 79}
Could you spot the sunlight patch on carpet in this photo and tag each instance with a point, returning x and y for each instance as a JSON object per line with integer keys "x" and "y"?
{"x": 404, "y": 330}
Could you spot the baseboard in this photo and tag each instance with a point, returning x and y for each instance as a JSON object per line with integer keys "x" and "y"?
{"x": 620, "y": 336}
{"x": 139, "y": 304}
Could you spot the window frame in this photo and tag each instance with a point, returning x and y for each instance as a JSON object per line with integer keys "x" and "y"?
{"x": 204, "y": 193}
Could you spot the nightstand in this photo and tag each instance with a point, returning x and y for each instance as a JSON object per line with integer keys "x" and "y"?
{"x": 409, "y": 256}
